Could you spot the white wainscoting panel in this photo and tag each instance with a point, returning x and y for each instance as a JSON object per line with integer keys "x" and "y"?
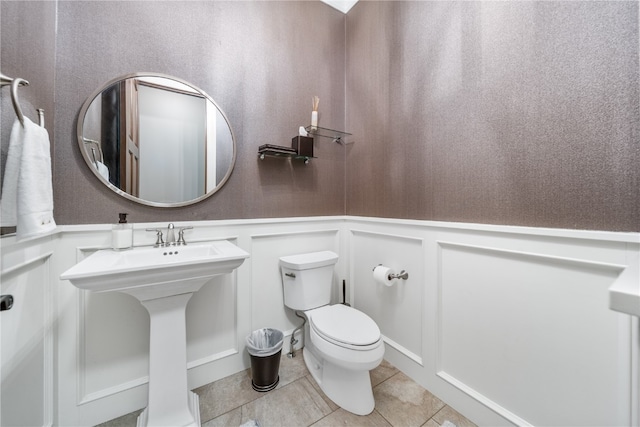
{"x": 396, "y": 309}
{"x": 212, "y": 321}
{"x": 508, "y": 325}
{"x": 26, "y": 350}
{"x": 112, "y": 326}
{"x": 532, "y": 336}
{"x": 514, "y": 322}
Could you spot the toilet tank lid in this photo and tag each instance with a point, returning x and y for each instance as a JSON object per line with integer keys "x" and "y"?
{"x": 310, "y": 260}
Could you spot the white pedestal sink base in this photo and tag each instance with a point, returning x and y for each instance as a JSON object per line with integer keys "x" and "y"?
{"x": 162, "y": 279}
{"x": 171, "y": 404}
{"x": 194, "y": 404}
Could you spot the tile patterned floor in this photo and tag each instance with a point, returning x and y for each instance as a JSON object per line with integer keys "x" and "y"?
{"x": 298, "y": 401}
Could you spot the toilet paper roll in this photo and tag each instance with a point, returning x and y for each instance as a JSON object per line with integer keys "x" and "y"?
{"x": 381, "y": 274}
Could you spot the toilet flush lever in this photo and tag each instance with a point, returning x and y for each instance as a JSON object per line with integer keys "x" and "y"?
{"x": 290, "y": 275}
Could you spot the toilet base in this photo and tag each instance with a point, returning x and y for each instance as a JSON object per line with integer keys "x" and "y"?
{"x": 349, "y": 389}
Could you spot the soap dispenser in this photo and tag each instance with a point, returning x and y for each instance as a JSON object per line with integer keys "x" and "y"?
{"x": 122, "y": 234}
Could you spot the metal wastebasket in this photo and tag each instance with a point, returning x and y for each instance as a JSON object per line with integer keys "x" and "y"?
{"x": 265, "y": 347}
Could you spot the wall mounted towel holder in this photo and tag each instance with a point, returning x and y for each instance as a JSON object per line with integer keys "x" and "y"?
{"x": 15, "y": 83}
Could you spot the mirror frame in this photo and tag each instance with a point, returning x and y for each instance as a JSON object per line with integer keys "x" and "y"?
{"x": 85, "y": 155}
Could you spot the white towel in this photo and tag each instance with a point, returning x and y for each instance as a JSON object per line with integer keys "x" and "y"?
{"x": 27, "y": 193}
{"x": 102, "y": 170}
{"x": 8, "y": 201}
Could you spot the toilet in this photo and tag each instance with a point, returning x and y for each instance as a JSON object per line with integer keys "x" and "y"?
{"x": 342, "y": 344}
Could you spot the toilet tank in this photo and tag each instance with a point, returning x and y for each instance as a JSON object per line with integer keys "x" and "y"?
{"x": 307, "y": 279}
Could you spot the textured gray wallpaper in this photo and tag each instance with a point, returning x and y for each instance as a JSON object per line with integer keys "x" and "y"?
{"x": 261, "y": 62}
{"x": 27, "y": 50}
{"x": 518, "y": 113}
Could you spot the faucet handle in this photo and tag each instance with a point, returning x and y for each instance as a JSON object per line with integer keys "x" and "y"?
{"x": 159, "y": 241}
{"x": 181, "y": 236}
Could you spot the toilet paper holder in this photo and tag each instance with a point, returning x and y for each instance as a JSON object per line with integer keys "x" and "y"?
{"x": 402, "y": 275}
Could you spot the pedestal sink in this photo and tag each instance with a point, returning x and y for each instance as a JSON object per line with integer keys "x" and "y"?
{"x": 163, "y": 280}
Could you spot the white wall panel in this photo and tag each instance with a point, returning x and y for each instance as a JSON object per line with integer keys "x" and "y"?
{"x": 396, "y": 309}
{"x": 113, "y": 344}
{"x": 515, "y": 324}
{"x": 26, "y": 350}
{"x": 211, "y": 321}
{"x": 533, "y": 333}
{"x": 508, "y": 325}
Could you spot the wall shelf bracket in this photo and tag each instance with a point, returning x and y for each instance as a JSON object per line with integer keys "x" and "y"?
{"x": 336, "y": 135}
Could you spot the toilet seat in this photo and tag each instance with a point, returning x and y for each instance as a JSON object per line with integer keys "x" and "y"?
{"x": 345, "y": 326}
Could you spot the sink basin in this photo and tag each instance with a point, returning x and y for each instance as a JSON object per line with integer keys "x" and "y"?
{"x": 163, "y": 280}
{"x": 148, "y": 273}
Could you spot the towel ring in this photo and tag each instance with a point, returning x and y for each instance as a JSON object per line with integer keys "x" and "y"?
{"x": 14, "y": 97}
{"x": 15, "y": 83}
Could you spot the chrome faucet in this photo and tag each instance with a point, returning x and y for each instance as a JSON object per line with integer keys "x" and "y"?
{"x": 171, "y": 237}
{"x": 181, "y": 236}
{"x": 159, "y": 241}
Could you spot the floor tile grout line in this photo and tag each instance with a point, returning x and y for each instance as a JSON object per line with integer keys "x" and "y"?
{"x": 235, "y": 407}
{"x": 444, "y": 405}
{"x": 385, "y": 380}
{"x": 383, "y": 417}
{"x": 266, "y": 394}
{"x": 321, "y": 397}
{"x": 260, "y": 396}
{"x": 317, "y": 421}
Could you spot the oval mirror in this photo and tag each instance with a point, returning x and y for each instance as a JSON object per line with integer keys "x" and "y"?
{"x": 156, "y": 140}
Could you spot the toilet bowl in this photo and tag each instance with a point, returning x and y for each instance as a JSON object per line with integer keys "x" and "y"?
{"x": 346, "y": 336}
{"x": 343, "y": 344}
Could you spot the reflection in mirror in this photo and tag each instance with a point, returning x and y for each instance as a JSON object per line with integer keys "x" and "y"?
{"x": 156, "y": 140}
